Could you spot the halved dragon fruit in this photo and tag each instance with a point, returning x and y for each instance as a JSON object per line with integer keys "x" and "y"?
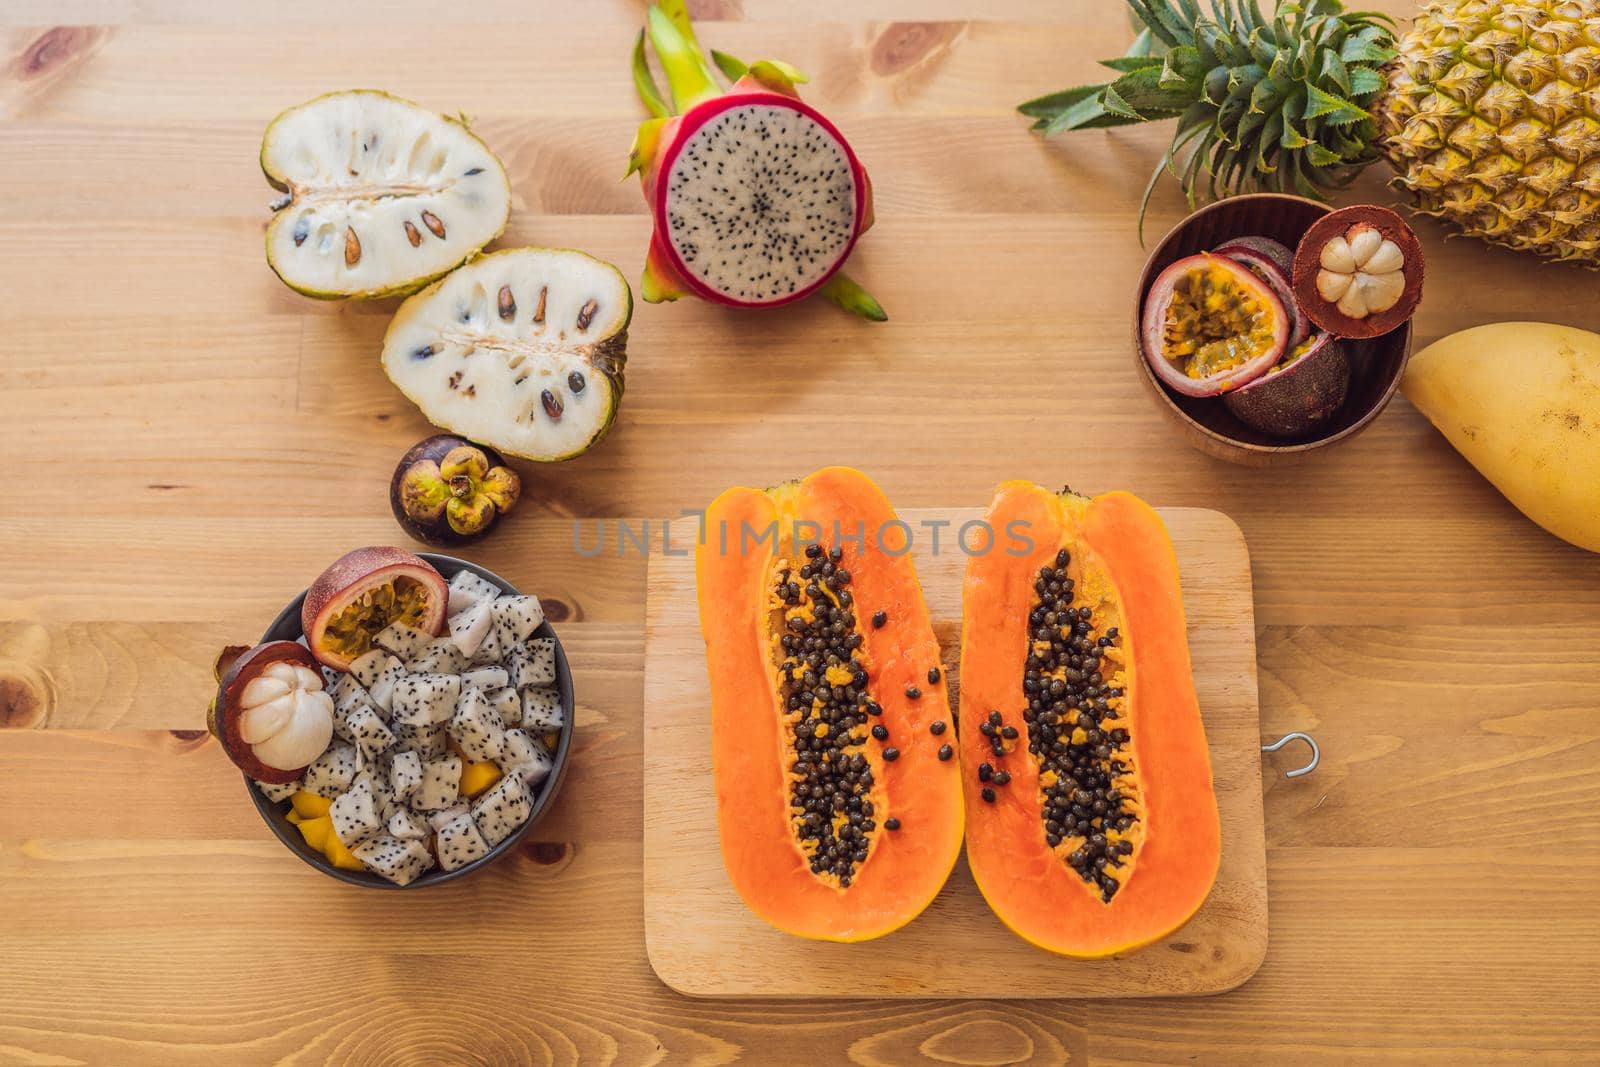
{"x": 756, "y": 197}
{"x": 380, "y": 196}
{"x": 521, "y": 350}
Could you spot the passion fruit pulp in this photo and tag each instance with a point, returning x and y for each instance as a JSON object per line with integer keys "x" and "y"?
{"x": 364, "y": 591}
{"x": 1210, "y": 325}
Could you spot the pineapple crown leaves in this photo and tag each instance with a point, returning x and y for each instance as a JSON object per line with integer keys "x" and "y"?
{"x": 1281, "y": 104}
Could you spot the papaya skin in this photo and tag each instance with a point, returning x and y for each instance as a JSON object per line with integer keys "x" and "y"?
{"x": 1123, "y": 547}
{"x": 1521, "y": 402}
{"x": 904, "y": 869}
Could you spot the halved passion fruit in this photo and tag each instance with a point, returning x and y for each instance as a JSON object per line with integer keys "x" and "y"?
{"x": 1272, "y": 263}
{"x": 271, "y": 712}
{"x": 1211, "y": 324}
{"x": 1299, "y": 395}
{"x": 364, "y": 591}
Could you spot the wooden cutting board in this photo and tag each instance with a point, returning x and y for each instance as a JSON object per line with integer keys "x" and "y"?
{"x": 703, "y": 941}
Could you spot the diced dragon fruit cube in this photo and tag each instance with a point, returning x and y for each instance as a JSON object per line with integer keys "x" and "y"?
{"x": 541, "y": 710}
{"x": 507, "y": 703}
{"x": 382, "y": 690}
{"x": 516, "y": 617}
{"x": 460, "y": 843}
{"x": 477, "y": 728}
{"x": 441, "y": 784}
{"x": 401, "y": 640}
{"x": 401, "y": 862}
{"x": 408, "y": 825}
{"x": 503, "y": 808}
{"x": 467, "y": 588}
{"x": 371, "y": 735}
{"x": 525, "y": 756}
{"x": 487, "y": 679}
{"x": 367, "y": 668}
{"x": 469, "y": 627}
{"x": 332, "y": 772}
{"x": 355, "y": 814}
{"x": 277, "y": 793}
{"x": 428, "y": 742}
{"x": 405, "y": 774}
{"x": 424, "y": 699}
{"x": 440, "y": 656}
{"x": 439, "y": 818}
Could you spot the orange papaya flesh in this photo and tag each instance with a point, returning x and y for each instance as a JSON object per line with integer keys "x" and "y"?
{"x": 827, "y": 830}
{"x": 1092, "y": 825}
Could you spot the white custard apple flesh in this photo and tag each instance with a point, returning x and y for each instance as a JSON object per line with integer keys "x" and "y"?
{"x": 522, "y": 350}
{"x": 381, "y": 196}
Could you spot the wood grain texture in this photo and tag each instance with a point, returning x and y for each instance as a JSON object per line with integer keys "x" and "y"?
{"x": 190, "y": 443}
{"x": 703, "y": 941}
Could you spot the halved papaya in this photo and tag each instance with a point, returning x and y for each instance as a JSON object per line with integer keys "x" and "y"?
{"x": 838, "y": 798}
{"x": 1092, "y": 826}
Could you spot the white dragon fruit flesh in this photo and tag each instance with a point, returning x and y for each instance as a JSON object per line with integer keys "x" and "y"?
{"x": 756, "y": 198}
{"x": 501, "y": 809}
{"x": 401, "y": 641}
{"x": 441, "y": 784}
{"x": 507, "y": 703}
{"x": 541, "y": 710}
{"x": 525, "y": 756}
{"x": 408, "y": 825}
{"x": 468, "y": 588}
{"x": 477, "y": 728}
{"x": 516, "y": 617}
{"x": 332, "y": 772}
{"x": 355, "y": 814}
{"x": 460, "y": 843}
{"x": 369, "y": 732}
{"x": 487, "y": 679}
{"x": 405, "y": 774}
{"x": 470, "y": 626}
{"x": 401, "y": 862}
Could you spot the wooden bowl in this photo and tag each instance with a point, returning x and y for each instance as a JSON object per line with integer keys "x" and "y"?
{"x": 1204, "y": 422}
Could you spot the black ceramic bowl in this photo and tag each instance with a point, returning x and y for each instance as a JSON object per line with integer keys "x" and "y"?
{"x": 286, "y": 627}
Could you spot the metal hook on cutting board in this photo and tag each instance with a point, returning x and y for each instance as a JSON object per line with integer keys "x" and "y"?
{"x": 1316, "y": 753}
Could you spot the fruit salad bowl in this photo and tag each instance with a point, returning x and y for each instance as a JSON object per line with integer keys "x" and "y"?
{"x": 287, "y": 627}
{"x": 1208, "y": 425}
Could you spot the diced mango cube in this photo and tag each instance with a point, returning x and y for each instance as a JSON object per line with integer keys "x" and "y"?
{"x": 309, "y": 805}
{"x": 476, "y": 777}
{"x": 317, "y": 831}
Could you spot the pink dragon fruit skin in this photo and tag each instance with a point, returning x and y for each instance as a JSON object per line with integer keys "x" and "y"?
{"x": 792, "y": 172}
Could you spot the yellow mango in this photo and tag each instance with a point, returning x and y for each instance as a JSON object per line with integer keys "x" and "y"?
{"x": 317, "y": 831}
{"x": 309, "y": 805}
{"x": 294, "y": 817}
{"x": 476, "y": 777}
{"x": 1521, "y": 401}
{"x": 337, "y": 854}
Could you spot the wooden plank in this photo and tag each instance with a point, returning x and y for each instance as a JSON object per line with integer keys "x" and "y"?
{"x": 703, "y": 941}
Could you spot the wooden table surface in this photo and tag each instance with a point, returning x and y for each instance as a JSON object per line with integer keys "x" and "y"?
{"x": 190, "y": 443}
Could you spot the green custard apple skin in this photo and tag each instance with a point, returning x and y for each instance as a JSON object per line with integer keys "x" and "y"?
{"x": 522, "y": 350}
{"x": 381, "y": 196}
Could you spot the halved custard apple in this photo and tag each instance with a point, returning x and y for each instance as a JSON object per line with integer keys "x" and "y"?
{"x": 381, "y": 196}
{"x": 522, "y": 350}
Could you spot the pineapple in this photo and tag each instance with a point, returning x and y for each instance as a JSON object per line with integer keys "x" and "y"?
{"x": 1489, "y": 110}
